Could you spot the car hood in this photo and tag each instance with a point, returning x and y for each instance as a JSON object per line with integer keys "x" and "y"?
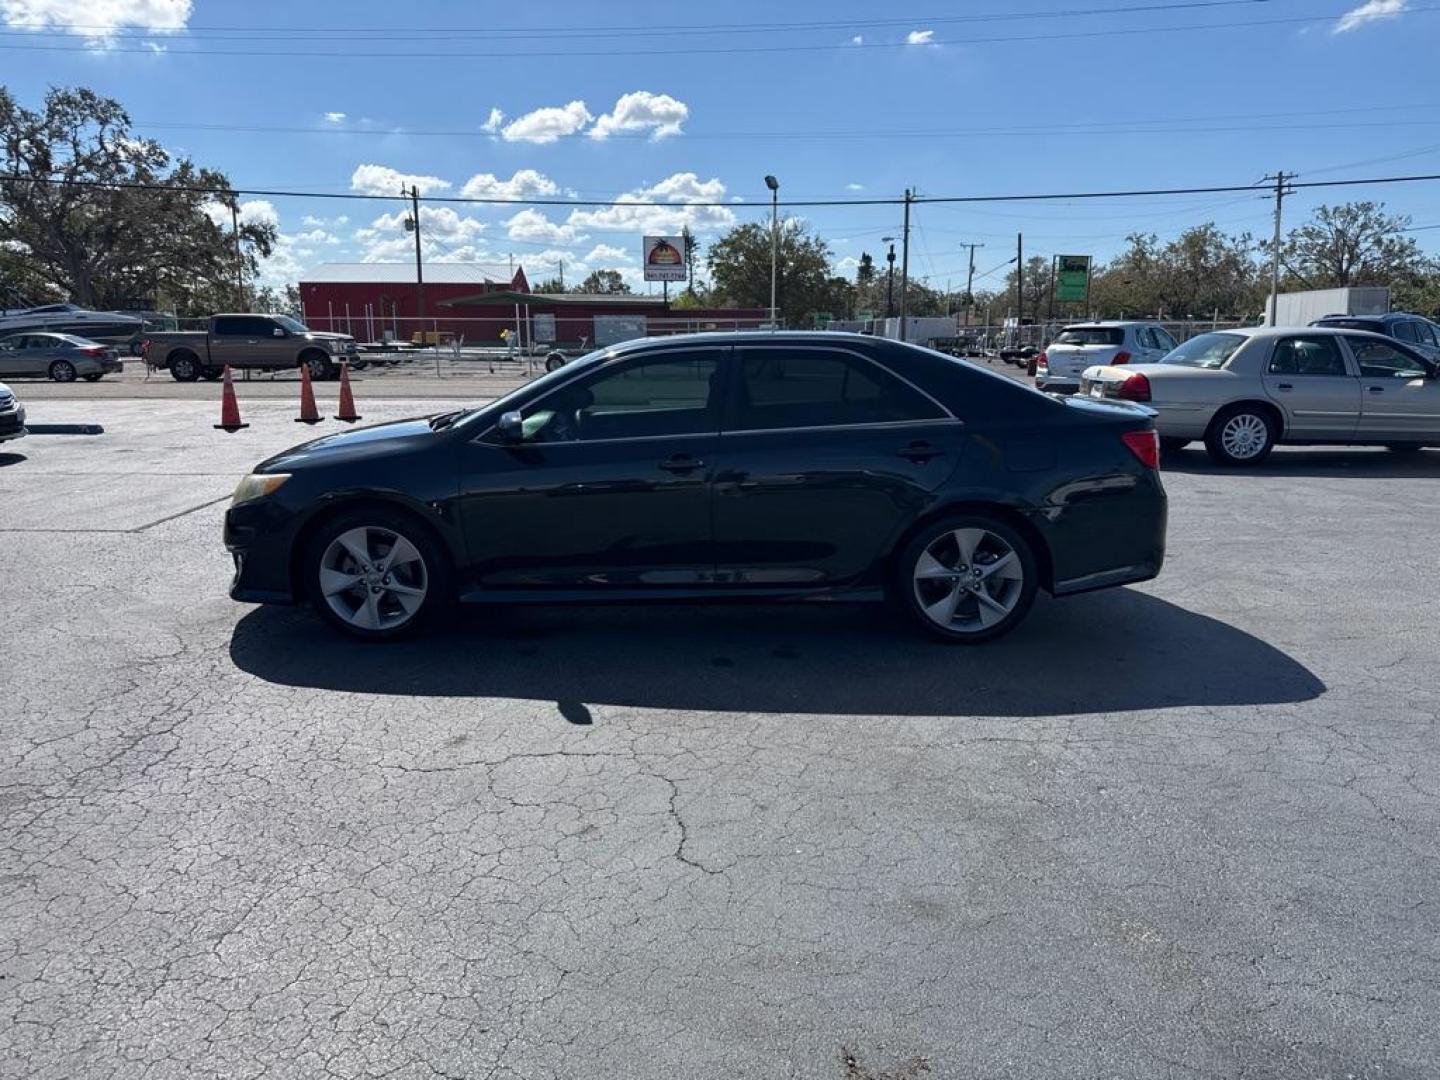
{"x": 398, "y": 436}
{"x": 322, "y": 335}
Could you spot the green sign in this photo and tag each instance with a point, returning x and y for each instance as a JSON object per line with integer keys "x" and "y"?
{"x": 822, "y": 319}
{"x": 1072, "y": 278}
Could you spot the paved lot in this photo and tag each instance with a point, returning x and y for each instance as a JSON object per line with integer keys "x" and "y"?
{"x": 1186, "y": 829}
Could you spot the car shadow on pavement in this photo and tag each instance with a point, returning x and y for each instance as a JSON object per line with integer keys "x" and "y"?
{"x": 11, "y": 459}
{"x": 1358, "y": 462}
{"x": 1106, "y": 652}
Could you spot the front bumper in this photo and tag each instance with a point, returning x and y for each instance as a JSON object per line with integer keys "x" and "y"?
{"x": 260, "y": 535}
{"x": 12, "y": 424}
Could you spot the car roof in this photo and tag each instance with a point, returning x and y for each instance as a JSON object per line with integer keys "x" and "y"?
{"x": 1110, "y": 323}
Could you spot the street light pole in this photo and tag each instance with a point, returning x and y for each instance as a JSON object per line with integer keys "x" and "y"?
{"x": 970, "y": 281}
{"x": 774, "y": 186}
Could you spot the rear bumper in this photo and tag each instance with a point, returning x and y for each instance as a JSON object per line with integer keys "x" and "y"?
{"x": 1107, "y": 541}
{"x": 1057, "y": 384}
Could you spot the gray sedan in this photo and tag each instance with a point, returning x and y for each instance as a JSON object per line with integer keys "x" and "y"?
{"x": 61, "y": 357}
{"x": 1243, "y": 391}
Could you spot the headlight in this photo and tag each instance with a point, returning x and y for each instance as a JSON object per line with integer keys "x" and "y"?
{"x": 257, "y": 486}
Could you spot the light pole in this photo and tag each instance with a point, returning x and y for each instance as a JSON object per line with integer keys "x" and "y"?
{"x": 890, "y": 278}
{"x": 774, "y": 186}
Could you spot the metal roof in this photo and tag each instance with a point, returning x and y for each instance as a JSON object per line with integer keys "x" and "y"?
{"x": 403, "y": 273}
{"x": 541, "y": 299}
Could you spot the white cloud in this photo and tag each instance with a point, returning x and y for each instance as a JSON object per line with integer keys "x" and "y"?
{"x": 97, "y": 20}
{"x": 1371, "y": 11}
{"x": 383, "y": 180}
{"x": 534, "y": 226}
{"x": 659, "y": 114}
{"x": 525, "y": 182}
{"x": 316, "y": 236}
{"x": 846, "y": 265}
{"x": 335, "y": 117}
{"x": 608, "y": 253}
{"x": 920, "y": 37}
{"x": 680, "y": 190}
{"x": 858, "y": 39}
{"x": 310, "y": 221}
{"x": 548, "y": 124}
{"x": 253, "y": 211}
{"x": 854, "y": 187}
{"x": 436, "y": 222}
{"x": 494, "y": 122}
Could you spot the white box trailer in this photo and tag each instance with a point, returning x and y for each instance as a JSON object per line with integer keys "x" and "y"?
{"x": 1303, "y": 308}
{"x": 921, "y": 328}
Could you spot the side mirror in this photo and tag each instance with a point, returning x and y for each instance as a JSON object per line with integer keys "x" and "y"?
{"x": 511, "y": 427}
{"x": 277, "y": 332}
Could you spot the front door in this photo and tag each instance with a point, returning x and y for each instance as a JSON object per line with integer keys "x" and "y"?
{"x": 1399, "y": 399}
{"x": 823, "y": 455}
{"x": 1308, "y": 377}
{"x": 610, "y": 487}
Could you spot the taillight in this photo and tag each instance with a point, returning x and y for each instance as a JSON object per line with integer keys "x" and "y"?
{"x": 1135, "y": 388}
{"x": 1145, "y": 445}
{"x": 1042, "y": 362}
{"x": 94, "y": 350}
{"x": 1121, "y": 357}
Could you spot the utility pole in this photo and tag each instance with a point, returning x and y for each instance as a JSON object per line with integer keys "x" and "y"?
{"x": 890, "y": 278}
{"x": 904, "y": 261}
{"x": 969, "y": 281}
{"x": 562, "y": 275}
{"x": 1280, "y": 194}
{"x": 239, "y": 258}
{"x": 1019, "y": 284}
{"x": 419, "y": 269}
{"x": 1054, "y": 262}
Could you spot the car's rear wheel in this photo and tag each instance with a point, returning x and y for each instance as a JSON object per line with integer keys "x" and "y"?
{"x": 62, "y": 371}
{"x": 967, "y": 578}
{"x": 184, "y": 368}
{"x": 377, "y": 574}
{"x": 1241, "y": 435}
{"x": 554, "y": 360}
{"x": 92, "y": 377}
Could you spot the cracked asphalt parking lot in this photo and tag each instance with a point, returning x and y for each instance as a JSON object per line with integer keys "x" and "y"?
{"x": 1187, "y": 829}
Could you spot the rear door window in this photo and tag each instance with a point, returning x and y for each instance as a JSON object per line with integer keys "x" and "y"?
{"x": 1404, "y": 330}
{"x": 1091, "y": 335}
{"x": 1307, "y": 356}
{"x": 782, "y": 388}
{"x": 230, "y": 326}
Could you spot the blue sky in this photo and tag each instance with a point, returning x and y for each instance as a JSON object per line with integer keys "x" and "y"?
{"x": 669, "y": 103}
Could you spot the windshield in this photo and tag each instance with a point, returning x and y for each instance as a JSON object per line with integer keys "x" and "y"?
{"x": 295, "y": 326}
{"x": 1205, "y": 351}
{"x": 1091, "y": 335}
{"x": 1353, "y": 324}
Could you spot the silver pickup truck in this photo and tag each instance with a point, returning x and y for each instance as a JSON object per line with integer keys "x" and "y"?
{"x": 257, "y": 342}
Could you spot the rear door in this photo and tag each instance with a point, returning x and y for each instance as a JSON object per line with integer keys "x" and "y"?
{"x": 1400, "y": 400}
{"x": 1156, "y": 343}
{"x": 231, "y": 340}
{"x": 1311, "y": 379}
{"x": 824, "y": 454}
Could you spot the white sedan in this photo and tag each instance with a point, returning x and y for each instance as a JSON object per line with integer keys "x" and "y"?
{"x": 1243, "y": 391}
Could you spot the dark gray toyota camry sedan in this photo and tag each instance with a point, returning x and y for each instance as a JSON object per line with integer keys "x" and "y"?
{"x": 805, "y": 466}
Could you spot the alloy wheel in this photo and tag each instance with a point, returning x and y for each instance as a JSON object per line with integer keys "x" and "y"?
{"x": 373, "y": 578}
{"x": 1244, "y": 436}
{"x": 968, "y": 580}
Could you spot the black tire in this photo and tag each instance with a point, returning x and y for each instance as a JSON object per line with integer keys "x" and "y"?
{"x": 320, "y": 366}
{"x": 92, "y": 378}
{"x": 1404, "y": 449}
{"x": 554, "y": 361}
{"x": 1255, "y": 428}
{"x": 1171, "y": 444}
{"x": 185, "y": 367}
{"x": 438, "y": 575}
{"x": 212, "y": 374}
{"x": 359, "y": 365}
{"x": 913, "y": 590}
{"x": 62, "y": 371}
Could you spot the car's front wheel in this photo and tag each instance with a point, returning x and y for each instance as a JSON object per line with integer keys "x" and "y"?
{"x": 184, "y": 368}
{"x": 377, "y": 574}
{"x": 320, "y": 366}
{"x": 1241, "y": 435}
{"x": 967, "y": 578}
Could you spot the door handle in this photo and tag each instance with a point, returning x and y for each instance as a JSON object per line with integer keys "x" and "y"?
{"x": 1284, "y": 386}
{"x": 919, "y": 452}
{"x": 681, "y": 463}
{"x": 1376, "y": 389}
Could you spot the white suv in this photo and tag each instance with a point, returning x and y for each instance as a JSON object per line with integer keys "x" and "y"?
{"x": 1084, "y": 345}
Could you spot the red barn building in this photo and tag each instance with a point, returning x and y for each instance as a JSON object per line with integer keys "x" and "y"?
{"x": 371, "y": 300}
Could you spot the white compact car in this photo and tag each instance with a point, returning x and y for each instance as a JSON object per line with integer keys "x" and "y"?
{"x": 12, "y": 415}
{"x": 1084, "y": 345}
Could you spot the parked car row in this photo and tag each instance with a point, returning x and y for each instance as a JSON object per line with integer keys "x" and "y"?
{"x": 59, "y": 357}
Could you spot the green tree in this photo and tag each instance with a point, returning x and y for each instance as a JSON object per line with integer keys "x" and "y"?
{"x": 739, "y": 264}
{"x": 1196, "y": 274}
{"x": 104, "y": 245}
{"x": 1354, "y": 244}
{"x": 865, "y": 272}
{"x": 604, "y": 283}
{"x": 282, "y": 301}
{"x": 550, "y": 285}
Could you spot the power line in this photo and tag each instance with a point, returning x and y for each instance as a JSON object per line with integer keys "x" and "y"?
{"x": 431, "y": 55}
{"x": 233, "y": 192}
{"x": 651, "y": 29}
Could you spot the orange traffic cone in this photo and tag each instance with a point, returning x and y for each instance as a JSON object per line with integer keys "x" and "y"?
{"x": 229, "y": 407}
{"x": 347, "y": 401}
{"x": 308, "y": 413}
